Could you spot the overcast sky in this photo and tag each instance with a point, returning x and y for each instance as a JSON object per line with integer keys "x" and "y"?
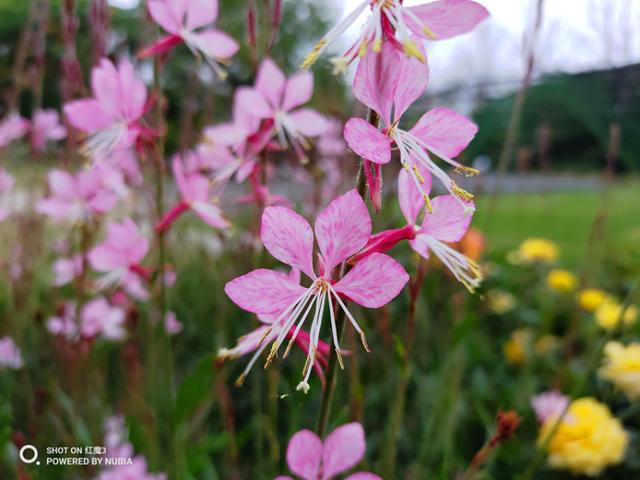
{"x": 577, "y": 35}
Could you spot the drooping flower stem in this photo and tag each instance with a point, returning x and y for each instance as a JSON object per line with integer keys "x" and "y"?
{"x": 332, "y": 366}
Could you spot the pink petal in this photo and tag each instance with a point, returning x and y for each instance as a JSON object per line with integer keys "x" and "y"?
{"x": 62, "y": 183}
{"x": 444, "y": 130}
{"x": 298, "y": 90}
{"x": 288, "y": 237}
{"x": 447, "y": 18}
{"x": 180, "y": 177}
{"x": 367, "y": 141}
{"x": 343, "y": 449}
{"x": 342, "y": 229}
{"x": 215, "y": 44}
{"x": 133, "y": 94}
{"x": 105, "y": 85}
{"x": 304, "y": 454}
{"x": 363, "y": 476}
{"x": 448, "y": 222}
{"x": 201, "y": 13}
{"x": 270, "y": 82}
{"x": 250, "y": 101}
{"x": 263, "y": 291}
{"x": 377, "y": 79}
{"x": 163, "y": 16}
{"x": 309, "y": 122}
{"x": 409, "y": 196}
{"x": 374, "y": 281}
{"x": 87, "y": 115}
{"x": 414, "y": 78}
{"x": 210, "y": 214}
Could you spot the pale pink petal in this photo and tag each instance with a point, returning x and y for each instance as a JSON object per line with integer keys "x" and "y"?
{"x": 163, "y": 16}
{"x": 448, "y": 222}
{"x": 201, "y": 13}
{"x": 363, "y": 476}
{"x": 105, "y": 85}
{"x": 215, "y": 44}
{"x": 409, "y": 196}
{"x": 377, "y": 79}
{"x": 288, "y": 237}
{"x": 62, "y": 184}
{"x": 270, "y": 82}
{"x": 263, "y": 291}
{"x": 309, "y": 122}
{"x": 249, "y": 101}
{"x": 414, "y": 78}
{"x": 304, "y": 454}
{"x": 446, "y": 18}
{"x": 374, "y": 281}
{"x": 298, "y": 90}
{"x": 446, "y": 131}
{"x": 87, "y": 115}
{"x": 343, "y": 449}
{"x": 133, "y": 96}
{"x": 210, "y": 214}
{"x": 180, "y": 177}
{"x": 367, "y": 141}
{"x": 342, "y": 229}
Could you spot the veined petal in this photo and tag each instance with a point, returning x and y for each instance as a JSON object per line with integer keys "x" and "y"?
{"x": 444, "y": 130}
{"x": 377, "y": 79}
{"x": 342, "y": 229}
{"x": 270, "y": 82}
{"x": 343, "y": 449}
{"x": 133, "y": 95}
{"x": 304, "y": 454}
{"x": 445, "y": 18}
{"x": 413, "y": 81}
{"x": 249, "y": 100}
{"x": 105, "y": 84}
{"x": 374, "y": 281}
{"x": 367, "y": 141}
{"x": 210, "y": 214}
{"x": 288, "y": 237}
{"x": 410, "y": 197}
{"x": 298, "y": 90}
{"x": 163, "y": 16}
{"x": 87, "y": 115}
{"x": 214, "y": 43}
{"x": 263, "y": 291}
{"x": 449, "y": 220}
{"x": 201, "y": 13}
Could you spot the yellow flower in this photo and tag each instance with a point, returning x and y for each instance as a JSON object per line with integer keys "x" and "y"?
{"x": 517, "y": 347}
{"x": 622, "y": 368}
{"x": 608, "y": 315}
{"x": 500, "y": 301}
{"x": 546, "y": 344}
{"x": 562, "y": 280}
{"x": 591, "y": 298}
{"x": 588, "y": 440}
{"x": 537, "y": 250}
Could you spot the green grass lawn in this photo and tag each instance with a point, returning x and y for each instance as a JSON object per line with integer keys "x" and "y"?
{"x": 564, "y": 217}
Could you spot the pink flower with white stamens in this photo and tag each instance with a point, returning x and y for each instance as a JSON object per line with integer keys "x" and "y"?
{"x": 184, "y": 19}
{"x": 390, "y": 82}
{"x": 66, "y": 269}
{"x": 112, "y": 117}
{"x": 10, "y": 354}
{"x": 195, "y": 190}
{"x": 119, "y": 257}
{"x": 99, "y": 318}
{"x": 390, "y": 20}
{"x": 13, "y": 127}
{"x": 310, "y": 458}
{"x": 549, "y": 404}
{"x": 66, "y": 323}
{"x": 277, "y": 98}
{"x": 341, "y": 230}
{"x": 77, "y": 197}
{"x": 46, "y": 126}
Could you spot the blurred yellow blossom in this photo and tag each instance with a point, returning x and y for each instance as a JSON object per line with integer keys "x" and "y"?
{"x": 537, "y": 250}
{"x": 588, "y": 439}
{"x": 610, "y": 313}
{"x": 562, "y": 280}
{"x": 621, "y": 367}
{"x": 500, "y": 301}
{"x": 546, "y": 344}
{"x": 591, "y": 298}
{"x": 516, "y": 349}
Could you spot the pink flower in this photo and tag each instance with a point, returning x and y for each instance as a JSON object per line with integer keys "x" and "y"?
{"x": 171, "y": 324}
{"x": 119, "y": 257}
{"x": 183, "y": 19}
{"x": 99, "y": 317}
{"x": 12, "y": 128}
{"x": 136, "y": 470}
{"x": 111, "y": 118}
{"x": 66, "y": 269}
{"x": 45, "y": 126}
{"x": 65, "y": 324}
{"x": 76, "y": 198}
{"x": 195, "y": 190}
{"x": 341, "y": 230}
{"x": 258, "y": 339}
{"x": 549, "y": 404}
{"x": 6, "y": 185}
{"x": 10, "y": 355}
{"x": 276, "y": 98}
{"x": 390, "y": 20}
{"x": 125, "y": 162}
{"x": 312, "y": 459}
{"x": 390, "y": 81}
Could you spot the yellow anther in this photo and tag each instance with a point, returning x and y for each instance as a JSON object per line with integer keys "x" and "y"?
{"x": 428, "y": 32}
{"x": 313, "y": 55}
{"x": 272, "y": 354}
{"x": 406, "y": 167}
{"x": 362, "y": 51}
{"x": 288, "y": 350}
{"x": 427, "y": 202}
{"x": 264, "y": 335}
{"x": 339, "y": 356}
{"x": 467, "y": 171}
{"x": 411, "y": 49}
{"x": 418, "y": 175}
{"x": 377, "y": 46}
{"x": 364, "y": 342}
{"x": 240, "y": 380}
{"x": 461, "y": 192}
